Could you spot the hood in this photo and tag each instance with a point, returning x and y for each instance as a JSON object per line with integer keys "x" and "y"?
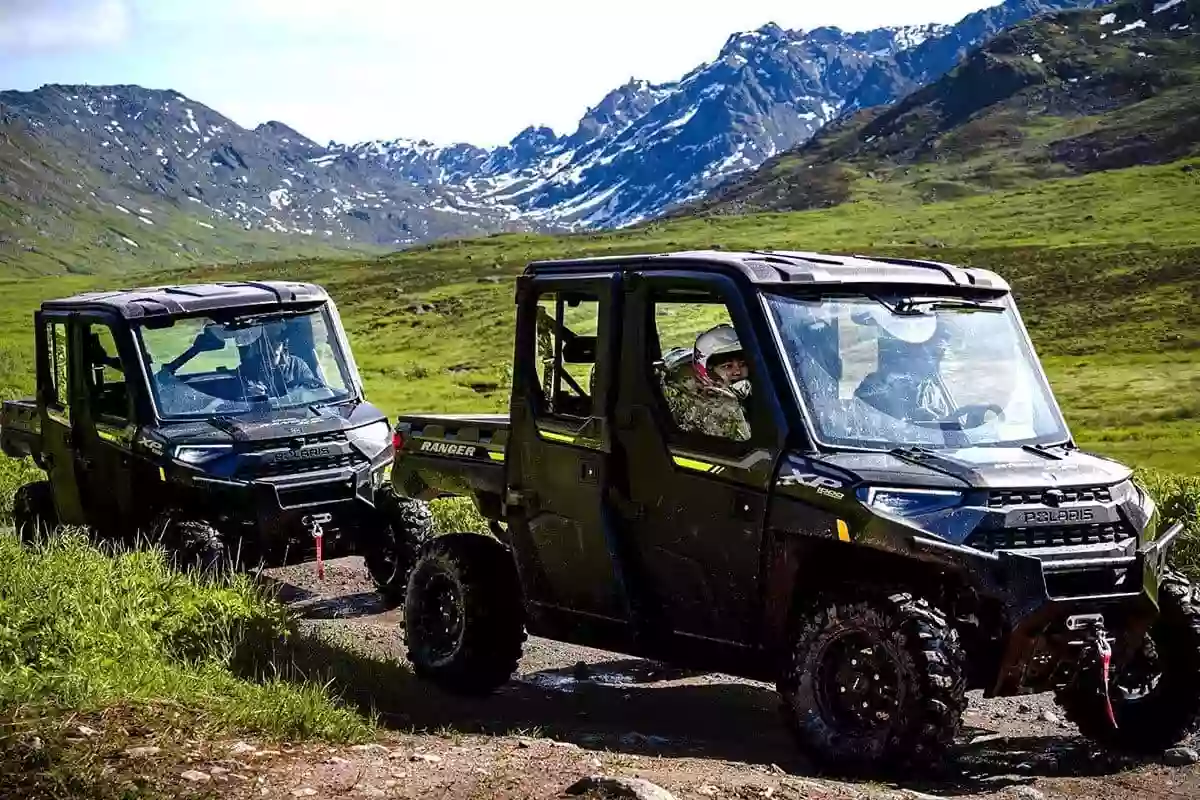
{"x": 980, "y": 468}
{"x": 288, "y": 423}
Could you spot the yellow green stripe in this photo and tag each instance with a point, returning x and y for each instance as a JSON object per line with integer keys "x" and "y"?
{"x": 557, "y": 437}
{"x": 697, "y": 465}
{"x": 495, "y": 456}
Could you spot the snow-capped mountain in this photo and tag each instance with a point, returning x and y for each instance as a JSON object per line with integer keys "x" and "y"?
{"x": 643, "y": 149}
{"x": 646, "y": 148}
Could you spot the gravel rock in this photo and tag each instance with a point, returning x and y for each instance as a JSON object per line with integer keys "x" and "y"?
{"x": 242, "y": 749}
{"x": 1025, "y": 793}
{"x": 1180, "y": 756}
{"x": 1047, "y": 716}
{"x": 196, "y": 776}
{"x": 428, "y": 758}
{"x": 142, "y": 752}
{"x": 620, "y": 788}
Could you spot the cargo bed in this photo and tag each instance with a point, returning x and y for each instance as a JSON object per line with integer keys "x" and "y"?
{"x": 451, "y": 454}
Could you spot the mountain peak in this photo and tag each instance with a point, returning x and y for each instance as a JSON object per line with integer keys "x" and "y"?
{"x": 763, "y": 36}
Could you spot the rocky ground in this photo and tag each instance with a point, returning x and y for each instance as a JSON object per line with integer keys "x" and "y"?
{"x": 694, "y": 735}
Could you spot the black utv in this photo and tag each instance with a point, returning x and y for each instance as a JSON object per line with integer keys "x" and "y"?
{"x": 226, "y": 420}
{"x": 844, "y": 475}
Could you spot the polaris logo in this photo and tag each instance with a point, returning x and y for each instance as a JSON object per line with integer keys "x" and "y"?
{"x": 302, "y": 454}
{"x": 446, "y": 449}
{"x": 1059, "y": 515}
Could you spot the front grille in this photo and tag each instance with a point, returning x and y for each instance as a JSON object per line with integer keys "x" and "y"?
{"x": 307, "y": 439}
{"x": 273, "y": 470}
{"x": 1031, "y": 497}
{"x": 1048, "y": 536}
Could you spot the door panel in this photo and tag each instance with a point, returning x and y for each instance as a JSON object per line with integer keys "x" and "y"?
{"x": 700, "y": 462}
{"x": 100, "y": 420}
{"x": 54, "y": 382}
{"x": 559, "y": 454}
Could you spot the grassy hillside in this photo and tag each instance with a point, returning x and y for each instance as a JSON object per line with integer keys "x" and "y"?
{"x": 1066, "y": 94}
{"x": 1103, "y": 266}
{"x": 51, "y": 225}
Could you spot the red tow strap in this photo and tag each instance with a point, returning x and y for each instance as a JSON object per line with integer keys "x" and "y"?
{"x": 321, "y": 566}
{"x": 1105, "y": 659}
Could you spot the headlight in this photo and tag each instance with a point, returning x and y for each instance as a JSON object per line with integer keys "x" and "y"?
{"x": 200, "y": 453}
{"x": 909, "y": 502}
{"x": 378, "y": 433}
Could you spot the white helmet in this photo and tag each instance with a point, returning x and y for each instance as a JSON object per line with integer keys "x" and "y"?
{"x": 713, "y": 347}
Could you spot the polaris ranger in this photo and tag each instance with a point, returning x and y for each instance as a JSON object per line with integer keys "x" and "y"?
{"x": 847, "y": 476}
{"x": 227, "y": 419}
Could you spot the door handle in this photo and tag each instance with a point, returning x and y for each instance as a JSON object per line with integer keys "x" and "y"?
{"x": 86, "y": 463}
{"x": 587, "y": 472}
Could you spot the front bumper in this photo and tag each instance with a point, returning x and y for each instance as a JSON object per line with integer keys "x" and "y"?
{"x": 1039, "y": 597}
{"x": 286, "y": 510}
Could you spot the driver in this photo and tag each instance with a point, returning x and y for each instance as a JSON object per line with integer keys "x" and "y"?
{"x": 908, "y": 383}
{"x": 277, "y": 372}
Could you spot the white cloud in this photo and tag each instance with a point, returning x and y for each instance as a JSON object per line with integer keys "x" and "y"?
{"x": 50, "y": 25}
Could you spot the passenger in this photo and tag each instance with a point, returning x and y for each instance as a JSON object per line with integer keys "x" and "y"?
{"x": 706, "y": 387}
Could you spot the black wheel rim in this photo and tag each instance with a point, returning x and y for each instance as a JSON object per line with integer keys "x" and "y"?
{"x": 1140, "y": 677}
{"x": 439, "y": 617}
{"x": 858, "y": 684}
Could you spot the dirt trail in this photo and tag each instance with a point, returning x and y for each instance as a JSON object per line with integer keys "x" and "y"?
{"x": 697, "y": 735}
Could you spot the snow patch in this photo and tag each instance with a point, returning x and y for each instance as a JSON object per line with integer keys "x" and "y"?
{"x": 129, "y": 241}
{"x": 279, "y": 198}
{"x": 1108, "y": 19}
{"x": 146, "y": 211}
{"x": 1133, "y": 26}
{"x": 192, "y": 126}
{"x": 203, "y": 224}
{"x": 1038, "y": 58}
{"x": 1161, "y": 7}
{"x": 143, "y": 219}
{"x": 124, "y": 210}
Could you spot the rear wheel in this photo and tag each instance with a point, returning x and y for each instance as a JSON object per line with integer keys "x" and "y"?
{"x": 1155, "y": 697}
{"x": 33, "y": 511}
{"x": 390, "y": 556}
{"x": 463, "y": 617}
{"x": 874, "y": 684}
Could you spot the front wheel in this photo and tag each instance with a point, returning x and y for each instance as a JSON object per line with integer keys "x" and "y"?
{"x": 463, "y": 616}
{"x": 874, "y": 684}
{"x": 190, "y": 543}
{"x": 1156, "y": 696}
{"x": 406, "y": 525}
{"x": 33, "y": 511}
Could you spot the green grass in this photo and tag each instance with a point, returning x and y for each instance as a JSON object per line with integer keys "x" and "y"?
{"x": 84, "y": 629}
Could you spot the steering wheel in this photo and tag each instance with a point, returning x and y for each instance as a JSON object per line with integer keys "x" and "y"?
{"x": 974, "y": 411}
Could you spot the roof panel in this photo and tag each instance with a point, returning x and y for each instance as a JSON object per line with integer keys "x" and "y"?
{"x": 182, "y": 299}
{"x": 794, "y": 266}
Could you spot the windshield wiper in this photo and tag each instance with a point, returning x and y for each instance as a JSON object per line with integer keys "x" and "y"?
{"x": 924, "y": 306}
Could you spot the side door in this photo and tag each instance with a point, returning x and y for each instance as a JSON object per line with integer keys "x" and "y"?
{"x": 55, "y": 374}
{"x": 558, "y": 456}
{"x": 700, "y": 461}
{"x": 102, "y": 423}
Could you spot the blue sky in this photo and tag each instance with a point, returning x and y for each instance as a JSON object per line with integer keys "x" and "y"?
{"x": 445, "y": 71}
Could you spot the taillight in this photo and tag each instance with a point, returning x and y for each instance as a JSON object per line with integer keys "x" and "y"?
{"x": 397, "y": 441}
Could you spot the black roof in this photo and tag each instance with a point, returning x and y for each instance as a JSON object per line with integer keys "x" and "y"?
{"x": 789, "y": 266}
{"x": 184, "y": 299}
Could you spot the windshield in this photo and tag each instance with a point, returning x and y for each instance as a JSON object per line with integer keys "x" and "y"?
{"x": 201, "y": 366}
{"x": 915, "y": 372}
